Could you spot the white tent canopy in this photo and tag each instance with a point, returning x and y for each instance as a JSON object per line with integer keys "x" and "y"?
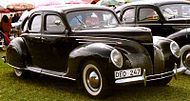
{"x": 34, "y": 2}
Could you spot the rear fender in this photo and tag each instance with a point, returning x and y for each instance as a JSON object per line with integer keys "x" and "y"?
{"x": 16, "y": 53}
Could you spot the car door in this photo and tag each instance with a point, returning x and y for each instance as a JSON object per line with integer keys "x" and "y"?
{"x": 128, "y": 16}
{"x": 149, "y": 16}
{"x": 54, "y": 40}
{"x": 33, "y": 39}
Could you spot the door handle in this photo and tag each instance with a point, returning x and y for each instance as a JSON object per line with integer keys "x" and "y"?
{"x": 37, "y": 37}
{"x": 43, "y": 38}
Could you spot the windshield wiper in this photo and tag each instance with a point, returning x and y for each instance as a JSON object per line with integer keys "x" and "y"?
{"x": 81, "y": 22}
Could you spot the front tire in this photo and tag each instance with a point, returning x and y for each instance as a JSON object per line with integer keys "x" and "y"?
{"x": 94, "y": 80}
{"x": 185, "y": 58}
{"x": 186, "y": 61}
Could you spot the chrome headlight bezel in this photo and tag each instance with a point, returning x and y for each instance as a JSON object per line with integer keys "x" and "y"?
{"x": 116, "y": 58}
{"x": 175, "y": 49}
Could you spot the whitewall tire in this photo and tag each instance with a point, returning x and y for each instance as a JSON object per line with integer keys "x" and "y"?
{"x": 93, "y": 80}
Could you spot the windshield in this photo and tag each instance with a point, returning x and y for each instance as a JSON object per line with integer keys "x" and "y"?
{"x": 173, "y": 11}
{"x": 91, "y": 19}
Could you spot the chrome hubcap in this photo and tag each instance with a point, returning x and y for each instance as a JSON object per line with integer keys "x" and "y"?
{"x": 93, "y": 80}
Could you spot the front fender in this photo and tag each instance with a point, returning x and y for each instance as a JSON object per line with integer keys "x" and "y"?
{"x": 163, "y": 44}
{"x": 181, "y": 35}
{"x": 97, "y": 51}
{"x": 16, "y": 53}
{"x": 168, "y": 59}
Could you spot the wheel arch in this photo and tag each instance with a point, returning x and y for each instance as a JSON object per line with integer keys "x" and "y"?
{"x": 16, "y": 53}
{"x": 79, "y": 56}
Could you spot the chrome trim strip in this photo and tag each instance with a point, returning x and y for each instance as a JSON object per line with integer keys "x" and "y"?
{"x": 147, "y": 43}
{"x": 15, "y": 66}
{"x": 149, "y": 23}
{"x": 165, "y": 73}
{"x": 179, "y": 24}
{"x": 39, "y": 70}
{"x": 79, "y": 38}
{"x": 46, "y": 73}
{"x": 34, "y": 69}
{"x": 160, "y": 78}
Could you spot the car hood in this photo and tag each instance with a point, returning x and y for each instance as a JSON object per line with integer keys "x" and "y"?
{"x": 140, "y": 34}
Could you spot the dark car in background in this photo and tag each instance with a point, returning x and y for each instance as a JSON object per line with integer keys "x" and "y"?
{"x": 167, "y": 18}
{"x": 86, "y": 43}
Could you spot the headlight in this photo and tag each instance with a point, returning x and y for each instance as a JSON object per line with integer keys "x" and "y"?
{"x": 117, "y": 58}
{"x": 175, "y": 49}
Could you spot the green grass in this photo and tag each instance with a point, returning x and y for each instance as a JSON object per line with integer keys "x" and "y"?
{"x": 45, "y": 88}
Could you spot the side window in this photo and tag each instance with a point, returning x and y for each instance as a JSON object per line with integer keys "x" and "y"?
{"x": 54, "y": 24}
{"x": 129, "y": 15}
{"x": 36, "y": 24}
{"x": 148, "y": 14}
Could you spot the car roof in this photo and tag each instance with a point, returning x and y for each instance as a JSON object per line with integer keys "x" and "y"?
{"x": 151, "y": 2}
{"x": 70, "y": 7}
{"x": 157, "y": 2}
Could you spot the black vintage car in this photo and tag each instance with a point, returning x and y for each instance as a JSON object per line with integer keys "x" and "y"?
{"x": 167, "y": 18}
{"x": 86, "y": 43}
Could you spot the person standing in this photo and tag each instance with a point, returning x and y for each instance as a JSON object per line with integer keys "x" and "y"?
{"x": 6, "y": 28}
{"x": 15, "y": 18}
{"x": 11, "y": 17}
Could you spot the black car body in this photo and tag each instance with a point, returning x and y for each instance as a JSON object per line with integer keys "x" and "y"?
{"x": 167, "y": 18}
{"x": 64, "y": 42}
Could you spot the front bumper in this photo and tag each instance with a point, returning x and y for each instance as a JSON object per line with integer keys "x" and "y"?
{"x": 145, "y": 78}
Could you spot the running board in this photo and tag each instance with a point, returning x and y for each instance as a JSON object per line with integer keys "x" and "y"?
{"x": 49, "y": 72}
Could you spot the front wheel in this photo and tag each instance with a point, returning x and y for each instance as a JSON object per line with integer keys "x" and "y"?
{"x": 93, "y": 80}
{"x": 185, "y": 59}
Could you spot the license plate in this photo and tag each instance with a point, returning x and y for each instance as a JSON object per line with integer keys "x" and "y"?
{"x": 127, "y": 73}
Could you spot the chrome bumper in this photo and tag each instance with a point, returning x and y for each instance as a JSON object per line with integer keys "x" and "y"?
{"x": 145, "y": 78}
